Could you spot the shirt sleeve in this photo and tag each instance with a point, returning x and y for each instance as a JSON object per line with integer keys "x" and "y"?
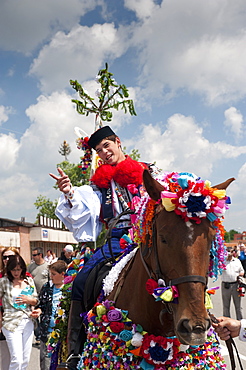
{"x": 82, "y": 219}
{"x": 1, "y": 287}
{"x": 242, "y": 334}
{"x": 241, "y": 269}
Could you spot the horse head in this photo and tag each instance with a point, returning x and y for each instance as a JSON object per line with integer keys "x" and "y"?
{"x": 180, "y": 255}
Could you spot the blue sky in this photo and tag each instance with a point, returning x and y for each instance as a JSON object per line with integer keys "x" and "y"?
{"x": 184, "y": 63}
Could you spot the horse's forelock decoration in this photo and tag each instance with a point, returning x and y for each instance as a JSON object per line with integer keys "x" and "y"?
{"x": 191, "y": 198}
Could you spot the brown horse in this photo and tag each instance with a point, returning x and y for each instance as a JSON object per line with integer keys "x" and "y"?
{"x": 177, "y": 222}
{"x": 180, "y": 256}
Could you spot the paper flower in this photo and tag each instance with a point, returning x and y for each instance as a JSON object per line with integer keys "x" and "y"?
{"x": 114, "y": 315}
{"x": 159, "y": 350}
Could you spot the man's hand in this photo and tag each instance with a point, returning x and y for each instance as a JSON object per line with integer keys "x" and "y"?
{"x": 227, "y": 327}
{"x": 63, "y": 181}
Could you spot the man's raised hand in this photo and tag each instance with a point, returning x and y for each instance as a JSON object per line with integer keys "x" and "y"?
{"x": 63, "y": 181}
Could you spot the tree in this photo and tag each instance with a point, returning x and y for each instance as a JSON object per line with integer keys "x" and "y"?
{"x": 110, "y": 96}
{"x": 45, "y": 207}
{"x": 134, "y": 154}
{"x": 65, "y": 149}
{"x": 229, "y": 235}
{"x": 75, "y": 174}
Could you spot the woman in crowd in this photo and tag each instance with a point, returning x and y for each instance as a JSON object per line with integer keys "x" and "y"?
{"x": 5, "y": 253}
{"x": 18, "y": 295}
{"x": 49, "y": 256}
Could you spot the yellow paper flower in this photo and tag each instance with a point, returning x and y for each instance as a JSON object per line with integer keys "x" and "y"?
{"x": 207, "y": 183}
{"x": 167, "y": 296}
{"x": 219, "y": 193}
{"x": 60, "y": 311}
{"x": 101, "y": 310}
{"x": 208, "y": 302}
{"x": 167, "y": 204}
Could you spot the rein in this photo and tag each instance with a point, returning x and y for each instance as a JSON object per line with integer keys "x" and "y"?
{"x": 229, "y": 344}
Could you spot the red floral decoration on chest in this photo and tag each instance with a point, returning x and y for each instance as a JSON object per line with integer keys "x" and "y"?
{"x": 124, "y": 173}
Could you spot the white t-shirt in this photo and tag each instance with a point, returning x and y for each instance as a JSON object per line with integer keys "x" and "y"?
{"x": 233, "y": 269}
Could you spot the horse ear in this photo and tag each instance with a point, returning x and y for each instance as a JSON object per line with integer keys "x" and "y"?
{"x": 152, "y": 186}
{"x": 224, "y": 185}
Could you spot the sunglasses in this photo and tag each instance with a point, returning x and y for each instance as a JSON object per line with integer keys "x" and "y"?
{"x": 37, "y": 254}
{"x": 5, "y": 257}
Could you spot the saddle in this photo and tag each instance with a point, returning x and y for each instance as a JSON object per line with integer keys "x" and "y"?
{"x": 95, "y": 278}
{"x": 93, "y": 285}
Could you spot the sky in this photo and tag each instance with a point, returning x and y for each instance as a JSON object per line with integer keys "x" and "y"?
{"x": 184, "y": 63}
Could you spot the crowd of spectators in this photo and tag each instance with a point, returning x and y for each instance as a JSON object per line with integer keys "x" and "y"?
{"x": 29, "y": 297}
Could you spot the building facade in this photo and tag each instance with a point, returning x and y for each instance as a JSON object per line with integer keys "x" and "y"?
{"x": 47, "y": 234}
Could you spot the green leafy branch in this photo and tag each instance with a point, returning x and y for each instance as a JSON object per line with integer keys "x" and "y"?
{"x": 110, "y": 95}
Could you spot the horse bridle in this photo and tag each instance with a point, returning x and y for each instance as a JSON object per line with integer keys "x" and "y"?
{"x": 159, "y": 274}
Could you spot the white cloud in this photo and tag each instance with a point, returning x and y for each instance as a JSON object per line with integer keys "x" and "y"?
{"x": 235, "y": 216}
{"x": 9, "y": 148}
{"x": 143, "y": 8}
{"x": 53, "y": 119}
{"x": 234, "y": 122}
{"x": 4, "y": 114}
{"x": 25, "y": 24}
{"x": 194, "y": 46}
{"x": 183, "y": 147}
{"x": 78, "y": 54}
{"x": 20, "y": 186}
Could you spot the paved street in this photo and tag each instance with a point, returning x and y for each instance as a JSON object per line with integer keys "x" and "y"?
{"x": 217, "y": 311}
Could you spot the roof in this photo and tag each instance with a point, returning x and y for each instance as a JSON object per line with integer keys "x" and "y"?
{"x": 5, "y": 222}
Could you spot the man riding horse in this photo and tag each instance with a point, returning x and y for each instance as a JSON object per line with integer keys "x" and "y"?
{"x": 84, "y": 209}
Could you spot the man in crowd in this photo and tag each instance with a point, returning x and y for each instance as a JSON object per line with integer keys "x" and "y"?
{"x": 67, "y": 254}
{"x": 40, "y": 273}
{"x": 229, "y": 284}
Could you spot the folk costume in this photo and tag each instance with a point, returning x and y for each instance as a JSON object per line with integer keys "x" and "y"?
{"x": 88, "y": 207}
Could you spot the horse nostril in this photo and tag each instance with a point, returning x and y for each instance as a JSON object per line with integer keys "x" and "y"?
{"x": 198, "y": 329}
{"x": 184, "y": 327}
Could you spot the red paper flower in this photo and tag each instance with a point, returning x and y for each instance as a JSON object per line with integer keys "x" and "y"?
{"x": 159, "y": 350}
{"x": 116, "y": 327}
{"x": 151, "y": 284}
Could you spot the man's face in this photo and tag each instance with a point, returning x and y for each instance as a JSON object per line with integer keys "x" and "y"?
{"x": 231, "y": 253}
{"x": 110, "y": 152}
{"x": 36, "y": 256}
{"x": 68, "y": 254}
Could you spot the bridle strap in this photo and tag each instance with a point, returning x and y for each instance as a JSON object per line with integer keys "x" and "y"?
{"x": 179, "y": 280}
{"x": 188, "y": 279}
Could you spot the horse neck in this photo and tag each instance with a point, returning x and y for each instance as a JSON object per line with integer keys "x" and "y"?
{"x": 141, "y": 306}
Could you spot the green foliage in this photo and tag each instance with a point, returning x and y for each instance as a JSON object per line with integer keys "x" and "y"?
{"x": 65, "y": 149}
{"x": 134, "y": 154}
{"x": 45, "y": 206}
{"x": 110, "y": 96}
{"x": 229, "y": 235}
{"x": 75, "y": 174}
